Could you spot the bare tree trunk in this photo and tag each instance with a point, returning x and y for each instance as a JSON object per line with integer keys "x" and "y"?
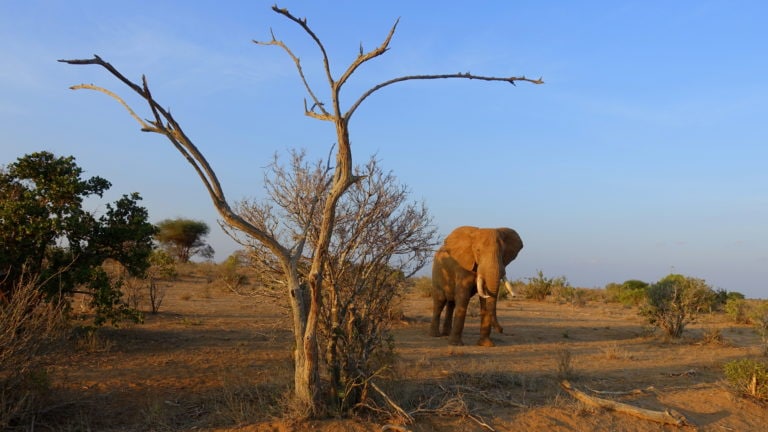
{"x": 307, "y": 373}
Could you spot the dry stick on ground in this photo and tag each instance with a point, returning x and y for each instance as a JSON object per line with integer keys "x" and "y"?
{"x": 622, "y": 393}
{"x": 668, "y": 416}
{"x": 392, "y": 403}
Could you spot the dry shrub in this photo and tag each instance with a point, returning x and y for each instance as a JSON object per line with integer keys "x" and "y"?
{"x": 712, "y": 336}
{"x": 29, "y": 326}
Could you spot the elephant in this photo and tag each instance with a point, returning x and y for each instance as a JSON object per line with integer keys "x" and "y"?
{"x": 471, "y": 260}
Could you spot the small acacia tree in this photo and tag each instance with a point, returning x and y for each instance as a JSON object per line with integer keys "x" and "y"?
{"x": 303, "y": 295}
{"x": 378, "y": 241}
{"x": 184, "y": 238}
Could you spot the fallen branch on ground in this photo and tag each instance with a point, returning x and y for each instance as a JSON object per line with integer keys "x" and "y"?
{"x": 668, "y": 416}
{"x": 622, "y": 393}
{"x": 689, "y": 372}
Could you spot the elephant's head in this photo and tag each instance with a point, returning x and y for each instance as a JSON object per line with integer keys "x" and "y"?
{"x": 486, "y": 251}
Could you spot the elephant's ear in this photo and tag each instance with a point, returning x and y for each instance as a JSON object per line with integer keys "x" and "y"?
{"x": 512, "y": 244}
{"x": 459, "y": 245}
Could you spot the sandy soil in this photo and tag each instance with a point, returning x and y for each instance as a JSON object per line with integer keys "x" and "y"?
{"x": 215, "y": 361}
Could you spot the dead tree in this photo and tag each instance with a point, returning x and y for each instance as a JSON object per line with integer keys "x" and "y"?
{"x": 379, "y": 240}
{"x": 304, "y": 298}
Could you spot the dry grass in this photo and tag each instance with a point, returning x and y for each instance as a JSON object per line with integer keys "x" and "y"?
{"x": 30, "y": 327}
{"x": 224, "y": 362}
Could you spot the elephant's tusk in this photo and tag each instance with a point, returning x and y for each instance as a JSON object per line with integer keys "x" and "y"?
{"x": 480, "y": 290}
{"x": 509, "y": 287}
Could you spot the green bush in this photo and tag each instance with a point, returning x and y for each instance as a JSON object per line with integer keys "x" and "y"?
{"x": 674, "y": 302}
{"x": 629, "y": 293}
{"x": 748, "y": 377}
{"x": 231, "y": 272}
{"x": 162, "y": 265}
{"x": 758, "y": 316}
{"x": 737, "y": 309}
{"x": 539, "y": 287}
{"x": 422, "y": 285}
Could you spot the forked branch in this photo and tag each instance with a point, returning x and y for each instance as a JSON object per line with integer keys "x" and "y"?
{"x": 166, "y": 125}
{"x": 323, "y": 114}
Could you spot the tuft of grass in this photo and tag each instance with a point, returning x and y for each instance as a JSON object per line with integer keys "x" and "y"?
{"x": 564, "y": 360}
{"x": 89, "y": 339}
{"x": 615, "y": 352}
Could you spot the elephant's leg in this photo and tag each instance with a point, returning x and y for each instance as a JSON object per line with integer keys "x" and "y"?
{"x": 459, "y": 315}
{"x": 448, "y": 323}
{"x": 487, "y": 319}
{"x": 494, "y": 321}
{"x": 437, "y": 309}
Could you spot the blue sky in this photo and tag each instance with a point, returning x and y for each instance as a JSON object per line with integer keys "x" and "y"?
{"x": 644, "y": 153}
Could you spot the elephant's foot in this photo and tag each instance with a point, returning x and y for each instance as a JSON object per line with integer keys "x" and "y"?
{"x": 434, "y": 333}
{"x": 455, "y": 341}
{"x": 499, "y": 328}
{"x": 486, "y": 342}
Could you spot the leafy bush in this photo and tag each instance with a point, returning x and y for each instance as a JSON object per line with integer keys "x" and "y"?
{"x": 231, "y": 273}
{"x": 748, "y": 377}
{"x": 422, "y": 286}
{"x": 539, "y": 287}
{"x": 674, "y": 302}
{"x": 162, "y": 265}
{"x": 758, "y": 316}
{"x": 629, "y": 293}
{"x": 737, "y": 309}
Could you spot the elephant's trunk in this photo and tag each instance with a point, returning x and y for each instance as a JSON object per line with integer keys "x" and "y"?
{"x": 489, "y": 275}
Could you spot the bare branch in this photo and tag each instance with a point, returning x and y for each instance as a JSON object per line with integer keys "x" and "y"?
{"x": 303, "y": 23}
{"x": 309, "y": 112}
{"x": 467, "y": 75}
{"x": 144, "y": 125}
